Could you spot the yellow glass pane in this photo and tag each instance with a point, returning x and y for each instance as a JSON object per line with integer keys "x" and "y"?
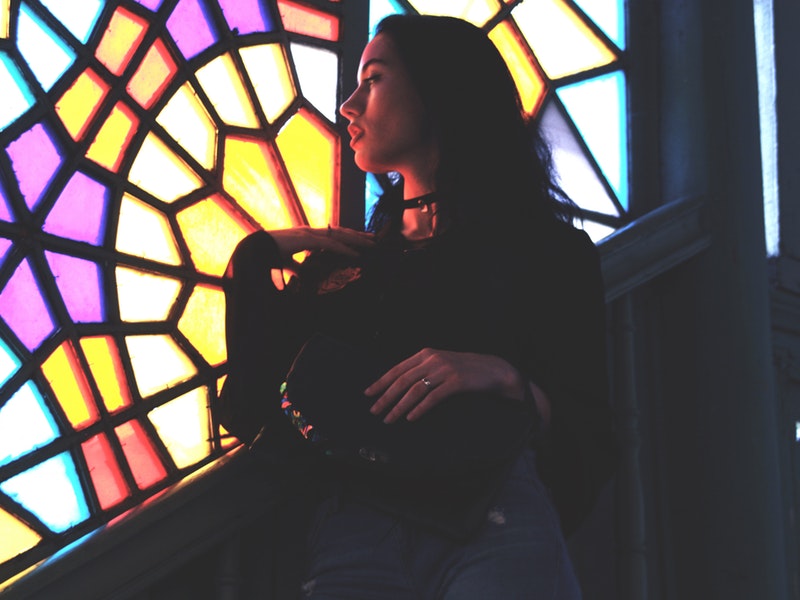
{"x": 203, "y": 323}
{"x": 185, "y": 118}
{"x": 17, "y": 537}
{"x": 224, "y": 86}
{"x": 145, "y": 296}
{"x": 144, "y": 231}
{"x": 474, "y": 11}
{"x": 184, "y": 426}
{"x": 158, "y": 363}
{"x": 120, "y": 41}
{"x": 561, "y": 41}
{"x": 153, "y": 75}
{"x": 530, "y": 83}
{"x": 311, "y": 155}
{"x": 212, "y": 230}
{"x": 68, "y": 382}
{"x": 158, "y": 170}
{"x": 252, "y": 177}
{"x": 80, "y": 102}
{"x": 108, "y": 148}
{"x": 5, "y": 20}
{"x": 268, "y": 71}
{"x": 105, "y": 364}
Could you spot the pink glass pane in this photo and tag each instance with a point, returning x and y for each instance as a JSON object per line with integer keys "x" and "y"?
{"x": 34, "y": 175}
{"x": 80, "y": 211}
{"x": 246, "y": 16}
{"x": 190, "y": 28}
{"x": 24, "y": 309}
{"x": 80, "y": 285}
{"x": 151, "y": 4}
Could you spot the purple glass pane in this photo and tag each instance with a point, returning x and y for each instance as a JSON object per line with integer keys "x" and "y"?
{"x": 190, "y": 28}
{"x": 5, "y": 245}
{"x": 151, "y": 4}
{"x": 24, "y": 309}
{"x": 80, "y": 211}
{"x": 35, "y": 159}
{"x": 78, "y": 280}
{"x": 246, "y": 16}
{"x": 5, "y": 211}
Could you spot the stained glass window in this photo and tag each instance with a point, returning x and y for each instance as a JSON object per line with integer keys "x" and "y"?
{"x": 140, "y": 141}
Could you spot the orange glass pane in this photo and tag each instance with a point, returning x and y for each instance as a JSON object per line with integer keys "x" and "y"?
{"x": 222, "y": 82}
{"x": 562, "y": 42}
{"x": 105, "y": 365}
{"x": 5, "y": 17}
{"x": 68, "y": 382}
{"x": 17, "y": 537}
{"x": 212, "y": 229}
{"x": 108, "y": 148}
{"x": 153, "y": 75}
{"x": 269, "y": 72}
{"x": 80, "y": 103}
{"x": 524, "y": 70}
{"x": 311, "y": 155}
{"x": 183, "y": 424}
{"x": 203, "y": 323}
{"x": 109, "y": 483}
{"x": 253, "y": 177}
{"x": 308, "y": 21}
{"x": 121, "y": 39}
{"x": 142, "y": 457}
{"x": 185, "y": 118}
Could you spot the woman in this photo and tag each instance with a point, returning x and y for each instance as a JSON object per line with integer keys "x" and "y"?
{"x": 470, "y": 281}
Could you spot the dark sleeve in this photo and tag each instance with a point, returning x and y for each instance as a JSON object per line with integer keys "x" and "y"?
{"x": 262, "y": 325}
{"x": 577, "y": 454}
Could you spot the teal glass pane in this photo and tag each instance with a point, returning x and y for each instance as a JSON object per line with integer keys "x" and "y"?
{"x": 17, "y": 97}
{"x": 9, "y": 363}
{"x": 47, "y": 54}
{"x": 379, "y": 9}
{"x": 608, "y": 15}
{"x": 318, "y": 72}
{"x": 25, "y": 406}
{"x": 52, "y": 491}
{"x": 598, "y": 108}
{"x": 79, "y": 16}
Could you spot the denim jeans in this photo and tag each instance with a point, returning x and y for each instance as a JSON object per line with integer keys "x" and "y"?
{"x": 359, "y": 553}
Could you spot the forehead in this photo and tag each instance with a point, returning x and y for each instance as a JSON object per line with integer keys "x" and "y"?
{"x": 380, "y": 50}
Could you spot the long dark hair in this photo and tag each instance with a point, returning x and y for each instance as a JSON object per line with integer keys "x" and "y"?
{"x": 495, "y": 170}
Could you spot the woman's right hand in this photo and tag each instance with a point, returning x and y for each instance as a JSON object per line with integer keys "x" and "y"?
{"x": 340, "y": 240}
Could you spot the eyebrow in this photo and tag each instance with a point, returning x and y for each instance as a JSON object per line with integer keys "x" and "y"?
{"x": 370, "y": 62}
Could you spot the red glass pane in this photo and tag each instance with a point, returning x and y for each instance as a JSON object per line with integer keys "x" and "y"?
{"x": 109, "y": 483}
{"x": 308, "y": 21}
{"x": 142, "y": 457}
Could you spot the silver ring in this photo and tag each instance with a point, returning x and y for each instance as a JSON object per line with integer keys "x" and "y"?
{"x": 426, "y": 381}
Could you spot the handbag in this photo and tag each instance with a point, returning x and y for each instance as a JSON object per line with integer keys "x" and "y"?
{"x": 322, "y": 396}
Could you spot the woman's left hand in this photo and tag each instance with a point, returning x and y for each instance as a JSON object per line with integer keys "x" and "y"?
{"x": 414, "y": 386}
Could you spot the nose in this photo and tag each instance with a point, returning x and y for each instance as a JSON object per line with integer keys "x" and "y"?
{"x": 350, "y": 107}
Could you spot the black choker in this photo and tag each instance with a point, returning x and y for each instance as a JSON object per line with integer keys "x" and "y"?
{"x": 423, "y": 201}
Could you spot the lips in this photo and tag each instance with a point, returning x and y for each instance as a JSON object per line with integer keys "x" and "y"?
{"x": 355, "y": 134}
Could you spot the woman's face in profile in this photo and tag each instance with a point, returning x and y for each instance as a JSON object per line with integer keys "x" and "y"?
{"x": 389, "y": 128}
